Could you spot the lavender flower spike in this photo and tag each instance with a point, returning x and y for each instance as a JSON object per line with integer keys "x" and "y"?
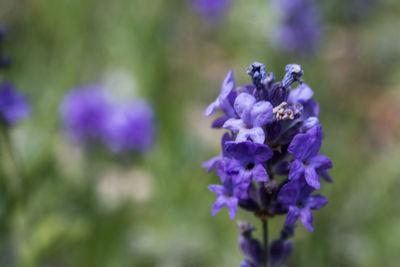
{"x": 274, "y": 132}
{"x": 296, "y": 195}
{"x": 304, "y": 149}
{"x": 13, "y": 105}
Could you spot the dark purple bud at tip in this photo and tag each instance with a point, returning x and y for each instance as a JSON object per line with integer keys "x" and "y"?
{"x": 258, "y": 74}
{"x": 293, "y": 74}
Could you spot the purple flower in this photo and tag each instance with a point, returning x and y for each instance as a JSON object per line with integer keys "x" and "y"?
{"x": 248, "y": 159}
{"x": 224, "y": 101}
{"x": 13, "y": 105}
{"x": 211, "y": 10}
{"x": 308, "y": 163}
{"x": 85, "y": 112}
{"x": 228, "y": 193}
{"x": 300, "y": 26}
{"x": 130, "y": 127}
{"x": 253, "y": 116}
{"x": 296, "y": 195}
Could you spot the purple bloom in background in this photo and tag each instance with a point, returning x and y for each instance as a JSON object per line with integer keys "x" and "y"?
{"x": 299, "y": 29}
{"x": 253, "y": 115}
{"x": 228, "y": 193}
{"x": 211, "y": 10}
{"x": 130, "y": 127}
{"x": 85, "y": 112}
{"x": 89, "y": 114}
{"x": 13, "y": 105}
{"x": 308, "y": 163}
{"x": 248, "y": 159}
{"x": 296, "y": 195}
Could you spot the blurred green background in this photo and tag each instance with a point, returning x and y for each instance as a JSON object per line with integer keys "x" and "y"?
{"x": 88, "y": 209}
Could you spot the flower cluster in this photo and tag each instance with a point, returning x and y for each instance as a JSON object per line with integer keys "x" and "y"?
{"x": 13, "y": 105}
{"x": 210, "y": 10}
{"x": 270, "y": 162}
{"x": 89, "y": 115}
{"x": 299, "y": 28}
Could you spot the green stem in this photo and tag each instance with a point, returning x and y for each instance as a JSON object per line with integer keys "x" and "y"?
{"x": 265, "y": 237}
{"x": 11, "y": 167}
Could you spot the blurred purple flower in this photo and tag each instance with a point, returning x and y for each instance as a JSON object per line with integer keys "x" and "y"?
{"x": 89, "y": 115}
{"x": 85, "y": 112}
{"x": 300, "y": 26}
{"x": 211, "y": 10}
{"x": 13, "y": 105}
{"x": 130, "y": 127}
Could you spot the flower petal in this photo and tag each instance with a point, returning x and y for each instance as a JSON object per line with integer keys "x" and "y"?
{"x": 210, "y": 110}
{"x": 259, "y": 173}
{"x": 320, "y": 162}
{"x": 317, "y": 202}
{"x": 261, "y": 113}
{"x": 219, "y": 122}
{"x": 292, "y": 216}
{"x": 289, "y": 192}
{"x": 301, "y": 94}
{"x": 307, "y": 219}
{"x": 296, "y": 170}
{"x": 216, "y": 189}
{"x": 211, "y": 163}
{"x": 304, "y": 146}
{"x": 243, "y": 103}
{"x": 311, "y": 176}
{"x": 256, "y": 135}
{"x": 218, "y": 204}
{"x": 232, "y": 204}
{"x": 234, "y": 125}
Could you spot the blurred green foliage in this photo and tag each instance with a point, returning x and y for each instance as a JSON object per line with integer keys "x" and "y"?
{"x": 63, "y": 206}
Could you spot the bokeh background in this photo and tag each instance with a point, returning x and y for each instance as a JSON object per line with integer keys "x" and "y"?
{"x": 88, "y": 208}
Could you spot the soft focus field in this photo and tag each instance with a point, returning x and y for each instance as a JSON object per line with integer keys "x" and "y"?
{"x": 89, "y": 208}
